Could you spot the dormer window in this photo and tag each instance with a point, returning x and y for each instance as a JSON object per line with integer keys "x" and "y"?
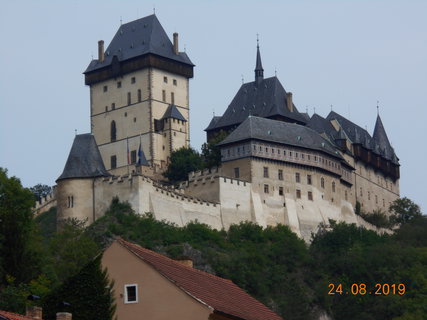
{"x": 131, "y": 293}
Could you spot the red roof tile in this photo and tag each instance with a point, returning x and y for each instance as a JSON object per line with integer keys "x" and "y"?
{"x": 220, "y": 294}
{"x": 13, "y": 316}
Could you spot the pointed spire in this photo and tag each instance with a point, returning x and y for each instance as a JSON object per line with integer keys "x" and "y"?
{"x": 380, "y": 138}
{"x": 259, "y": 71}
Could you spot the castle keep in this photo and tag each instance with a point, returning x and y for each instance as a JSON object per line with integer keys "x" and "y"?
{"x": 278, "y": 165}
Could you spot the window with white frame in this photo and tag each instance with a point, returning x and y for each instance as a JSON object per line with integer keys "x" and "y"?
{"x": 131, "y": 293}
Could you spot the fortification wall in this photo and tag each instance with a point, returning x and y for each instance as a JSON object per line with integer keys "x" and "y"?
{"x": 45, "y": 203}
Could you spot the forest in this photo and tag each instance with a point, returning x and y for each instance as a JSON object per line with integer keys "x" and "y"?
{"x": 346, "y": 272}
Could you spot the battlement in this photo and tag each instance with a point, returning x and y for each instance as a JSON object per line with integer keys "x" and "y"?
{"x": 45, "y": 203}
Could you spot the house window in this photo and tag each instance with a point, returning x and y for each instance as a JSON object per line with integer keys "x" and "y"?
{"x": 369, "y": 195}
{"x": 266, "y": 188}
{"x": 265, "y": 172}
{"x": 236, "y": 172}
{"x": 139, "y": 95}
{"x": 308, "y": 179}
{"x": 310, "y": 195}
{"x": 280, "y": 191}
{"x": 165, "y": 79}
{"x": 113, "y": 106}
{"x": 133, "y": 156}
{"x": 119, "y": 84}
{"x": 129, "y": 98}
{"x": 113, "y": 131}
{"x": 106, "y": 108}
{"x": 297, "y": 177}
{"x": 164, "y": 95}
{"x": 322, "y": 183}
{"x": 298, "y": 194}
{"x": 280, "y": 175}
{"x": 361, "y": 192}
{"x": 174, "y": 82}
{"x": 131, "y": 293}
{"x": 172, "y": 98}
{"x": 132, "y": 80}
{"x": 70, "y": 203}
{"x": 296, "y": 154}
{"x": 333, "y": 186}
{"x": 302, "y": 155}
{"x": 113, "y": 160}
{"x": 105, "y": 88}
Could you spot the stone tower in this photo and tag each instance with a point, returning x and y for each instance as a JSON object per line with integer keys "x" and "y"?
{"x": 139, "y": 96}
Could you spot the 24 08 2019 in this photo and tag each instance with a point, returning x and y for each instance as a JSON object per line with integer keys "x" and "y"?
{"x": 363, "y": 289}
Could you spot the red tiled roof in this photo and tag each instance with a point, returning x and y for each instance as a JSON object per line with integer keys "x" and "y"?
{"x": 220, "y": 294}
{"x": 13, "y": 316}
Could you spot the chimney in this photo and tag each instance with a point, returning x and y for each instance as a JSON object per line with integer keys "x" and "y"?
{"x": 101, "y": 50}
{"x": 185, "y": 261}
{"x": 34, "y": 312}
{"x": 175, "y": 43}
{"x": 289, "y": 102}
{"x": 64, "y": 316}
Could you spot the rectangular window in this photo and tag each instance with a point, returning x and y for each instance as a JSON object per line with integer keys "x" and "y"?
{"x": 113, "y": 162}
{"x": 280, "y": 191}
{"x": 139, "y": 95}
{"x": 310, "y": 195}
{"x": 113, "y": 106}
{"x": 105, "y": 88}
{"x": 174, "y": 82}
{"x": 172, "y": 98}
{"x": 297, "y": 177}
{"x": 298, "y": 194}
{"x": 265, "y": 172}
{"x": 236, "y": 172}
{"x": 119, "y": 84}
{"x": 129, "y": 98}
{"x": 131, "y": 293}
{"x": 164, "y": 95}
{"x": 280, "y": 174}
{"x": 133, "y": 156}
{"x": 165, "y": 79}
{"x": 308, "y": 179}
{"x": 132, "y": 80}
{"x": 266, "y": 188}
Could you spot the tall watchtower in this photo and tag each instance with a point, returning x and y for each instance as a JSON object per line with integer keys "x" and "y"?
{"x": 139, "y": 96}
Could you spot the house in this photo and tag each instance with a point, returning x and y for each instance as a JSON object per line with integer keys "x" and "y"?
{"x": 148, "y": 285}
{"x": 32, "y": 313}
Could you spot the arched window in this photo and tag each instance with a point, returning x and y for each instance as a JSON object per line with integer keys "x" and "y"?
{"x": 322, "y": 183}
{"x": 113, "y": 131}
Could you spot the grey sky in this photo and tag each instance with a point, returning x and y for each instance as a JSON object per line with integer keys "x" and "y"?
{"x": 347, "y": 54}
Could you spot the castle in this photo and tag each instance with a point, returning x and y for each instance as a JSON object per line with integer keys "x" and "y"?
{"x": 278, "y": 165}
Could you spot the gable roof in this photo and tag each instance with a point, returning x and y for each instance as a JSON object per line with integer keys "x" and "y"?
{"x": 265, "y": 98}
{"x": 136, "y": 38}
{"x": 213, "y": 122}
{"x": 5, "y": 315}
{"x": 173, "y": 112}
{"x": 220, "y": 294}
{"x": 84, "y": 160}
{"x": 281, "y": 132}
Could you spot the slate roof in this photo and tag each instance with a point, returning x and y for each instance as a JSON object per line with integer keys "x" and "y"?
{"x": 220, "y": 294}
{"x": 265, "y": 99}
{"x": 356, "y": 134}
{"x": 213, "y": 122}
{"x": 305, "y": 115}
{"x": 84, "y": 160}
{"x": 173, "y": 112}
{"x": 281, "y": 132}
{"x": 321, "y": 125}
{"x": 136, "y": 38}
{"x": 5, "y": 315}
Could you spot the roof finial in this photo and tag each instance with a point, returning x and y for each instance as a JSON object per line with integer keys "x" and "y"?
{"x": 243, "y": 79}
{"x": 154, "y": 9}
{"x": 332, "y": 107}
{"x": 75, "y": 132}
{"x": 275, "y": 72}
{"x": 120, "y": 20}
{"x": 378, "y": 108}
{"x": 259, "y": 71}
{"x": 314, "y": 110}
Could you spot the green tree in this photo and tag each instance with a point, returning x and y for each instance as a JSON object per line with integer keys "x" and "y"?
{"x": 404, "y": 210}
{"x": 211, "y": 152}
{"x": 20, "y": 257}
{"x": 40, "y": 191}
{"x": 182, "y": 162}
{"x": 88, "y": 292}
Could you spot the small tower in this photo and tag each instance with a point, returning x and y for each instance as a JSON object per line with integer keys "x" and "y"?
{"x": 132, "y": 84}
{"x": 259, "y": 71}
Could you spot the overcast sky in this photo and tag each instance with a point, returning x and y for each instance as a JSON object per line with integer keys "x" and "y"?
{"x": 347, "y": 54}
